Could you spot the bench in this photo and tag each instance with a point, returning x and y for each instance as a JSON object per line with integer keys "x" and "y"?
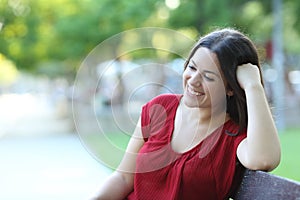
{"x": 259, "y": 185}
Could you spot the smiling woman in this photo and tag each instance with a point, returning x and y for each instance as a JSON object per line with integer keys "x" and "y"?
{"x": 196, "y": 145}
{"x": 202, "y": 81}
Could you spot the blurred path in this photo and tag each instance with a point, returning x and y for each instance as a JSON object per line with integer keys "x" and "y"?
{"x": 52, "y": 167}
{"x": 40, "y": 158}
{"x": 33, "y": 115}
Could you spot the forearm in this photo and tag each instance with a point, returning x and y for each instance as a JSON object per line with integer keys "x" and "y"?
{"x": 121, "y": 182}
{"x": 262, "y": 137}
{"x": 114, "y": 188}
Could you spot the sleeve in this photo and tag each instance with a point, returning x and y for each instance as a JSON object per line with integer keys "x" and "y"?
{"x": 145, "y": 121}
{"x": 155, "y": 112}
{"x": 151, "y": 114}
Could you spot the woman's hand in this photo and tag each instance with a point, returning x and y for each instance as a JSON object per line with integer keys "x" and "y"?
{"x": 248, "y": 75}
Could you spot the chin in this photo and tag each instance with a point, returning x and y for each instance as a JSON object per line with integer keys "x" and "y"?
{"x": 190, "y": 103}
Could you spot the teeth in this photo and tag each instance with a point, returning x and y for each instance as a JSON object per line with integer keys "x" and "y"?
{"x": 193, "y": 92}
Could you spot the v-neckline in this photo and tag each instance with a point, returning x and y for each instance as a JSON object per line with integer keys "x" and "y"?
{"x": 198, "y": 144}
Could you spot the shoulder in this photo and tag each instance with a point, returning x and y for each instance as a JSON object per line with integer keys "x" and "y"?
{"x": 161, "y": 104}
{"x": 156, "y": 111}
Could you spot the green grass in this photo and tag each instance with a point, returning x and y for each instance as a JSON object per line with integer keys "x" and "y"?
{"x": 109, "y": 149}
{"x": 289, "y": 166}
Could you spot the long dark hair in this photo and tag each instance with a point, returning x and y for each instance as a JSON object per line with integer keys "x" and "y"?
{"x": 232, "y": 48}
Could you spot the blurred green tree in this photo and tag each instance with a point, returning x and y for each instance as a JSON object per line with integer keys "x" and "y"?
{"x": 53, "y": 37}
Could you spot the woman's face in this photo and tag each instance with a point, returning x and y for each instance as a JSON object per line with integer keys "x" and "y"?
{"x": 203, "y": 83}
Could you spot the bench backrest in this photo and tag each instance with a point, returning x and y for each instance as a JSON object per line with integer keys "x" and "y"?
{"x": 258, "y": 185}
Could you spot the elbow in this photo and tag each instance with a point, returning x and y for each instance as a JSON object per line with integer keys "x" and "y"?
{"x": 266, "y": 166}
{"x": 260, "y": 157}
{"x": 264, "y": 163}
{"x": 272, "y": 165}
{"x": 274, "y": 160}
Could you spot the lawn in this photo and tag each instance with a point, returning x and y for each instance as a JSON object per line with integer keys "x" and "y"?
{"x": 109, "y": 150}
{"x": 289, "y": 166}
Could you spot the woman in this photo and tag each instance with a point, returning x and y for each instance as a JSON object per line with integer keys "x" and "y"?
{"x": 195, "y": 145}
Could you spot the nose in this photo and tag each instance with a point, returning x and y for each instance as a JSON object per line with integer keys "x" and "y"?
{"x": 196, "y": 80}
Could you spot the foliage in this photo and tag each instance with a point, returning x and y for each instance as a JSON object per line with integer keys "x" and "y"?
{"x": 8, "y": 71}
{"x": 39, "y": 35}
{"x": 36, "y": 32}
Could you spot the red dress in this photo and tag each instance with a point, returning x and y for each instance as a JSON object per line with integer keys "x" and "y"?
{"x": 205, "y": 172}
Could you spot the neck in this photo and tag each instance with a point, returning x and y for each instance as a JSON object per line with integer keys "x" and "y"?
{"x": 204, "y": 115}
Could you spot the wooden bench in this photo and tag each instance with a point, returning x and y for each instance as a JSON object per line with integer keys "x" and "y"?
{"x": 259, "y": 185}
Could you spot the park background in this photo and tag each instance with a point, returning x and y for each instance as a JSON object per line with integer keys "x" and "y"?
{"x": 50, "y": 145}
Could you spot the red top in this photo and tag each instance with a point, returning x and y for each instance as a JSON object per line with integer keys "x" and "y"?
{"x": 204, "y": 172}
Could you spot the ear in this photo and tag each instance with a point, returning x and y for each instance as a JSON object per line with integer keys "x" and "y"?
{"x": 230, "y": 93}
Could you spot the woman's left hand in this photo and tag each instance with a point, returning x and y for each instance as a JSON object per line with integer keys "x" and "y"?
{"x": 248, "y": 75}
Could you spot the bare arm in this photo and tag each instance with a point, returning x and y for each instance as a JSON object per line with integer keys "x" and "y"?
{"x": 261, "y": 149}
{"x": 120, "y": 183}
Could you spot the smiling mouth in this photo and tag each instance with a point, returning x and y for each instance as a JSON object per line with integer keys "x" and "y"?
{"x": 190, "y": 90}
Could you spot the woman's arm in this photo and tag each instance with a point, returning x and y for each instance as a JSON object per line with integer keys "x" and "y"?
{"x": 261, "y": 149}
{"x": 115, "y": 187}
{"x": 120, "y": 183}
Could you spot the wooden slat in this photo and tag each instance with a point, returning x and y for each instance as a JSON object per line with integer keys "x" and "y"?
{"x": 259, "y": 185}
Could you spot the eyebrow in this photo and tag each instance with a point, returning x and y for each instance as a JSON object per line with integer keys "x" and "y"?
{"x": 207, "y": 71}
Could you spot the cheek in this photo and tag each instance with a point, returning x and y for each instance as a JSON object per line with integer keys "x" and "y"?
{"x": 217, "y": 92}
{"x": 185, "y": 76}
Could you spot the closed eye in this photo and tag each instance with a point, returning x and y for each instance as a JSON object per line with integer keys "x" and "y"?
{"x": 208, "y": 77}
{"x": 206, "y": 74}
{"x": 192, "y": 67}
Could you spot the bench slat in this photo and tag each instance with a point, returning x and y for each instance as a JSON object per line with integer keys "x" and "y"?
{"x": 259, "y": 185}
